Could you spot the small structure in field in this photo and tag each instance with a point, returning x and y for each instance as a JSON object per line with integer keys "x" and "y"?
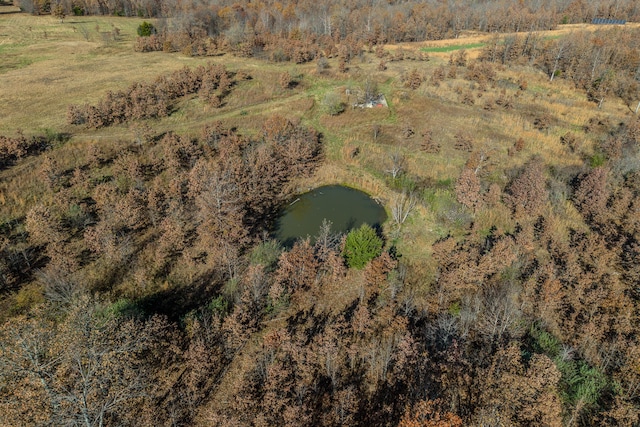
{"x": 607, "y": 21}
{"x": 376, "y": 102}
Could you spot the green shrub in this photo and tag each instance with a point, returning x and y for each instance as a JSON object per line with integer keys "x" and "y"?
{"x": 361, "y": 246}
{"x": 598, "y": 159}
{"x": 545, "y": 342}
{"x": 122, "y": 308}
{"x": 581, "y": 384}
{"x": 332, "y": 104}
{"x": 267, "y": 254}
{"x": 219, "y": 306}
{"x": 146, "y": 29}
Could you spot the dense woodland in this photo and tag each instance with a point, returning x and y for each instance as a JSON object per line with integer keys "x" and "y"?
{"x": 250, "y": 26}
{"x": 146, "y": 290}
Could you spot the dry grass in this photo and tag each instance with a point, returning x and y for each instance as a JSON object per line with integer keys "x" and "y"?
{"x": 47, "y": 66}
{"x": 51, "y": 65}
{"x": 468, "y": 39}
{"x": 5, "y": 9}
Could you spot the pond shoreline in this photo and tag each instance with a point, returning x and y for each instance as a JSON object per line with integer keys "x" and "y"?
{"x": 345, "y": 207}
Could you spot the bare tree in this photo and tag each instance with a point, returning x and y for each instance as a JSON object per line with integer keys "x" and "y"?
{"x": 402, "y": 206}
{"x": 370, "y": 89}
{"x": 84, "y": 371}
{"x": 377, "y": 130}
{"x": 326, "y": 240}
{"x": 560, "y": 52}
{"x": 397, "y": 166}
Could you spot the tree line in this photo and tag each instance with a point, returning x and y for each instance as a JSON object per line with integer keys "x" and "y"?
{"x": 372, "y": 22}
{"x": 155, "y": 99}
{"x": 603, "y": 63}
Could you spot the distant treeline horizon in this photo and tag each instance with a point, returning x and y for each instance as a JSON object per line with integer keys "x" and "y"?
{"x": 372, "y": 21}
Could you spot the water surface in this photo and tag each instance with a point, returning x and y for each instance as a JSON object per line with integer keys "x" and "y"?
{"x": 345, "y": 207}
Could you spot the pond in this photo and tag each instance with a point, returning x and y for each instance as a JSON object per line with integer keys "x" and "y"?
{"x": 345, "y": 207}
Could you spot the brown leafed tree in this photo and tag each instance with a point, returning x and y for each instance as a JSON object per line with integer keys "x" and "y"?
{"x": 463, "y": 141}
{"x": 297, "y": 268}
{"x": 468, "y": 189}
{"x": 429, "y": 144}
{"x": 414, "y": 79}
{"x": 43, "y": 226}
{"x": 58, "y": 11}
{"x": 527, "y": 194}
{"x": 520, "y": 394}
{"x": 377, "y": 270}
{"x": 285, "y": 80}
{"x": 49, "y": 173}
{"x": 429, "y": 413}
{"x": 592, "y": 194}
{"x": 89, "y": 370}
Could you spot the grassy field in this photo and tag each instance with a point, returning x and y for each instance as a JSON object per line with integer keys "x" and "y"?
{"x": 452, "y": 48}
{"x": 47, "y": 65}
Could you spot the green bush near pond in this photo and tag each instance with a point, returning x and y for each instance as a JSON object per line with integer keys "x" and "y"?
{"x": 361, "y": 246}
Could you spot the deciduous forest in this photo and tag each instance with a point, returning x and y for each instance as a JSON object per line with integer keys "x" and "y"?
{"x": 147, "y": 149}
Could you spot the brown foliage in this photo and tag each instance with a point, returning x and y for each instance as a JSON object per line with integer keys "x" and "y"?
{"x": 428, "y": 413}
{"x": 152, "y": 43}
{"x": 468, "y": 189}
{"x": 88, "y": 369}
{"x": 428, "y": 144}
{"x": 543, "y": 121}
{"x": 463, "y": 141}
{"x": 467, "y": 98}
{"x": 527, "y": 194}
{"x": 480, "y": 72}
{"x": 522, "y": 394}
{"x": 493, "y": 195}
{"x": 466, "y": 268}
{"x": 376, "y": 271}
{"x": 407, "y": 130}
{"x": 43, "y": 226}
{"x": 18, "y": 147}
{"x": 49, "y": 173}
{"x": 414, "y": 79}
{"x": 437, "y": 76}
{"x": 298, "y": 268}
{"x": 285, "y": 80}
{"x": 592, "y": 194}
{"x": 459, "y": 58}
{"x": 152, "y": 100}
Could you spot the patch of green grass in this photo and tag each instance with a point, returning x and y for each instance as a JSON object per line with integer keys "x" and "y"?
{"x": 445, "y": 49}
{"x": 4, "y": 48}
{"x": 14, "y": 63}
{"x": 537, "y": 89}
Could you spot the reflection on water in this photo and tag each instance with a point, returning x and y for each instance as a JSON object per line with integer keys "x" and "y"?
{"x": 345, "y": 207}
